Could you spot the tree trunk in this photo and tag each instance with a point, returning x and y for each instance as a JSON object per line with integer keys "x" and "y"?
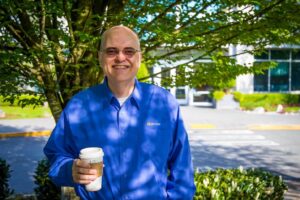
{"x": 68, "y": 193}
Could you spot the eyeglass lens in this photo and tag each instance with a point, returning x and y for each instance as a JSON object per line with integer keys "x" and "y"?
{"x": 128, "y": 52}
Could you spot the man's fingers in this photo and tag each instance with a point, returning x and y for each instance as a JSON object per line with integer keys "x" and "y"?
{"x": 85, "y": 179}
{"x": 86, "y": 171}
{"x": 82, "y": 173}
{"x": 82, "y": 163}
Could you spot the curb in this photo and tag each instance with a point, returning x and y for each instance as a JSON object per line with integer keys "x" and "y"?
{"x": 26, "y": 134}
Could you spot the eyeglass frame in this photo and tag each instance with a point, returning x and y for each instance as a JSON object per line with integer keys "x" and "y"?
{"x": 118, "y": 51}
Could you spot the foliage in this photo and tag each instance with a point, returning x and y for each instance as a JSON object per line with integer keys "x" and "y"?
{"x": 50, "y": 47}
{"x": 238, "y": 96}
{"x": 218, "y": 95}
{"x": 15, "y": 109}
{"x": 22, "y": 100}
{"x": 238, "y": 184}
{"x": 143, "y": 72}
{"x": 267, "y": 100}
{"x": 5, "y": 171}
{"x": 45, "y": 188}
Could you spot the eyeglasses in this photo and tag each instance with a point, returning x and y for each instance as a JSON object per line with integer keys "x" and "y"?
{"x": 112, "y": 51}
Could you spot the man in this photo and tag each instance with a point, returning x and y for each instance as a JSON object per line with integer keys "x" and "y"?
{"x": 138, "y": 126}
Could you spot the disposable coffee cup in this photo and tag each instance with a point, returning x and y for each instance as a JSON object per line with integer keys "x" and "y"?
{"x": 94, "y": 156}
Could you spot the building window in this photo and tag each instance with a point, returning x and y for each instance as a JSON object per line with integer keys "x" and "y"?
{"x": 261, "y": 82}
{"x": 296, "y": 76}
{"x": 166, "y": 78}
{"x": 280, "y": 54}
{"x": 180, "y": 93}
{"x": 263, "y": 56}
{"x": 296, "y": 54}
{"x": 285, "y": 77}
{"x": 280, "y": 78}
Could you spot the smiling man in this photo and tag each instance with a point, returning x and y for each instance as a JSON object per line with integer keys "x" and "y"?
{"x": 138, "y": 126}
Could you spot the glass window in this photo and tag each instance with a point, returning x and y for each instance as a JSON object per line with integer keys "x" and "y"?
{"x": 261, "y": 82}
{"x": 264, "y": 56}
{"x": 180, "y": 93}
{"x": 280, "y": 77}
{"x": 202, "y": 97}
{"x": 280, "y": 54}
{"x": 295, "y": 76}
{"x": 166, "y": 73}
{"x": 296, "y": 54}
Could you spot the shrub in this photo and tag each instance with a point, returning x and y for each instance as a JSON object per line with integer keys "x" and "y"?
{"x": 4, "y": 176}
{"x": 269, "y": 100}
{"x": 218, "y": 95}
{"x": 238, "y": 96}
{"x": 46, "y": 188}
{"x": 238, "y": 184}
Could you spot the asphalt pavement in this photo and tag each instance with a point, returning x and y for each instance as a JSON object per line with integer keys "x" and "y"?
{"x": 22, "y": 141}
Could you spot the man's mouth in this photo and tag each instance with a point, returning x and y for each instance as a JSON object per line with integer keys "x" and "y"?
{"x": 120, "y": 66}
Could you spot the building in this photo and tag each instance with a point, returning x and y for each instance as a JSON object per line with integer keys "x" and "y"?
{"x": 284, "y": 78}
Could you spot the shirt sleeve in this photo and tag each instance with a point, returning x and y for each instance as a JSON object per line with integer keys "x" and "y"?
{"x": 180, "y": 184}
{"x": 60, "y": 153}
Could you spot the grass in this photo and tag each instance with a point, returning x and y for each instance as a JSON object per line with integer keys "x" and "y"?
{"x": 16, "y": 112}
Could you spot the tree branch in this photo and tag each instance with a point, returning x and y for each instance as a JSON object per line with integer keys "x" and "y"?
{"x": 69, "y": 21}
{"x": 42, "y": 23}
{"x": 141, "y": 32}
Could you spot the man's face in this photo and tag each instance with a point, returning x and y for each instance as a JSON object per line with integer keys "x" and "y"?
{"x": 121, "y": 67}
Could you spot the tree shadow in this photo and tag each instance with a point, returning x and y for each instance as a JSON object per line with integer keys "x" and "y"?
{"x": 23, "y": 155}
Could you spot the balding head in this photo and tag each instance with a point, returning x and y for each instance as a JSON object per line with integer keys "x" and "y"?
{"x": 120, "y": 29}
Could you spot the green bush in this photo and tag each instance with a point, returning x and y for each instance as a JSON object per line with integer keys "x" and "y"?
{"x": 269, "y": 101}
{"x": 46, "y": 188}
{"x": 5, "y": 171}
{"x": 238, "y": 184}
{"x": 218, "y": 95}
{"x": 238, "y": 96}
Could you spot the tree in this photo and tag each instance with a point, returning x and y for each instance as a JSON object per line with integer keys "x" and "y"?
{"x": 52, "y": 45}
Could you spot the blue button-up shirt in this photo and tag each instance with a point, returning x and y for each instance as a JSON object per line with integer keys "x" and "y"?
{"x": 146, "y": 148}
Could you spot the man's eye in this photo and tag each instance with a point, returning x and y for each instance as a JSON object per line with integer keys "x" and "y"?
{"x": 129, "y": 51}
{"x": 111, "y": 51}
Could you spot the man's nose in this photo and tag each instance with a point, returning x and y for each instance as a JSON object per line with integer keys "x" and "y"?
{"x": 120, "y": 56}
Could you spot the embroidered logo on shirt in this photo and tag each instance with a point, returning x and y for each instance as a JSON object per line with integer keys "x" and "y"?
{"x": 153, "y": 124}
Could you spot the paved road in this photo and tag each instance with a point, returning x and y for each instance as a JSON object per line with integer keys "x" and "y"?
{"x": 219, "y": 138}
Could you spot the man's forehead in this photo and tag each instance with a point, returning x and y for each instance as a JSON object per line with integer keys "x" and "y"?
{"x": 118, "y": 33}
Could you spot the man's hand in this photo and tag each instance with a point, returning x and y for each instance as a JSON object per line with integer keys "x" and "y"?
{"x": 82, "y": 172}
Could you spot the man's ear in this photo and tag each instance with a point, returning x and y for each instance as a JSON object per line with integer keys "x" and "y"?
{"x": 100, "y": 58}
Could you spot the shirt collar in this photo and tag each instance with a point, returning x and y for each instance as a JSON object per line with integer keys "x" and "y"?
{"x": 135, "y": 97}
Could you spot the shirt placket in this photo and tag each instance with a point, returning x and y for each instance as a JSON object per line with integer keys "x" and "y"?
{"x": 123, "y": 124}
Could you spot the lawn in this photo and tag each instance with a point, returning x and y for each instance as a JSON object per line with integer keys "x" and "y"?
{"x": 16, "y": 112}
